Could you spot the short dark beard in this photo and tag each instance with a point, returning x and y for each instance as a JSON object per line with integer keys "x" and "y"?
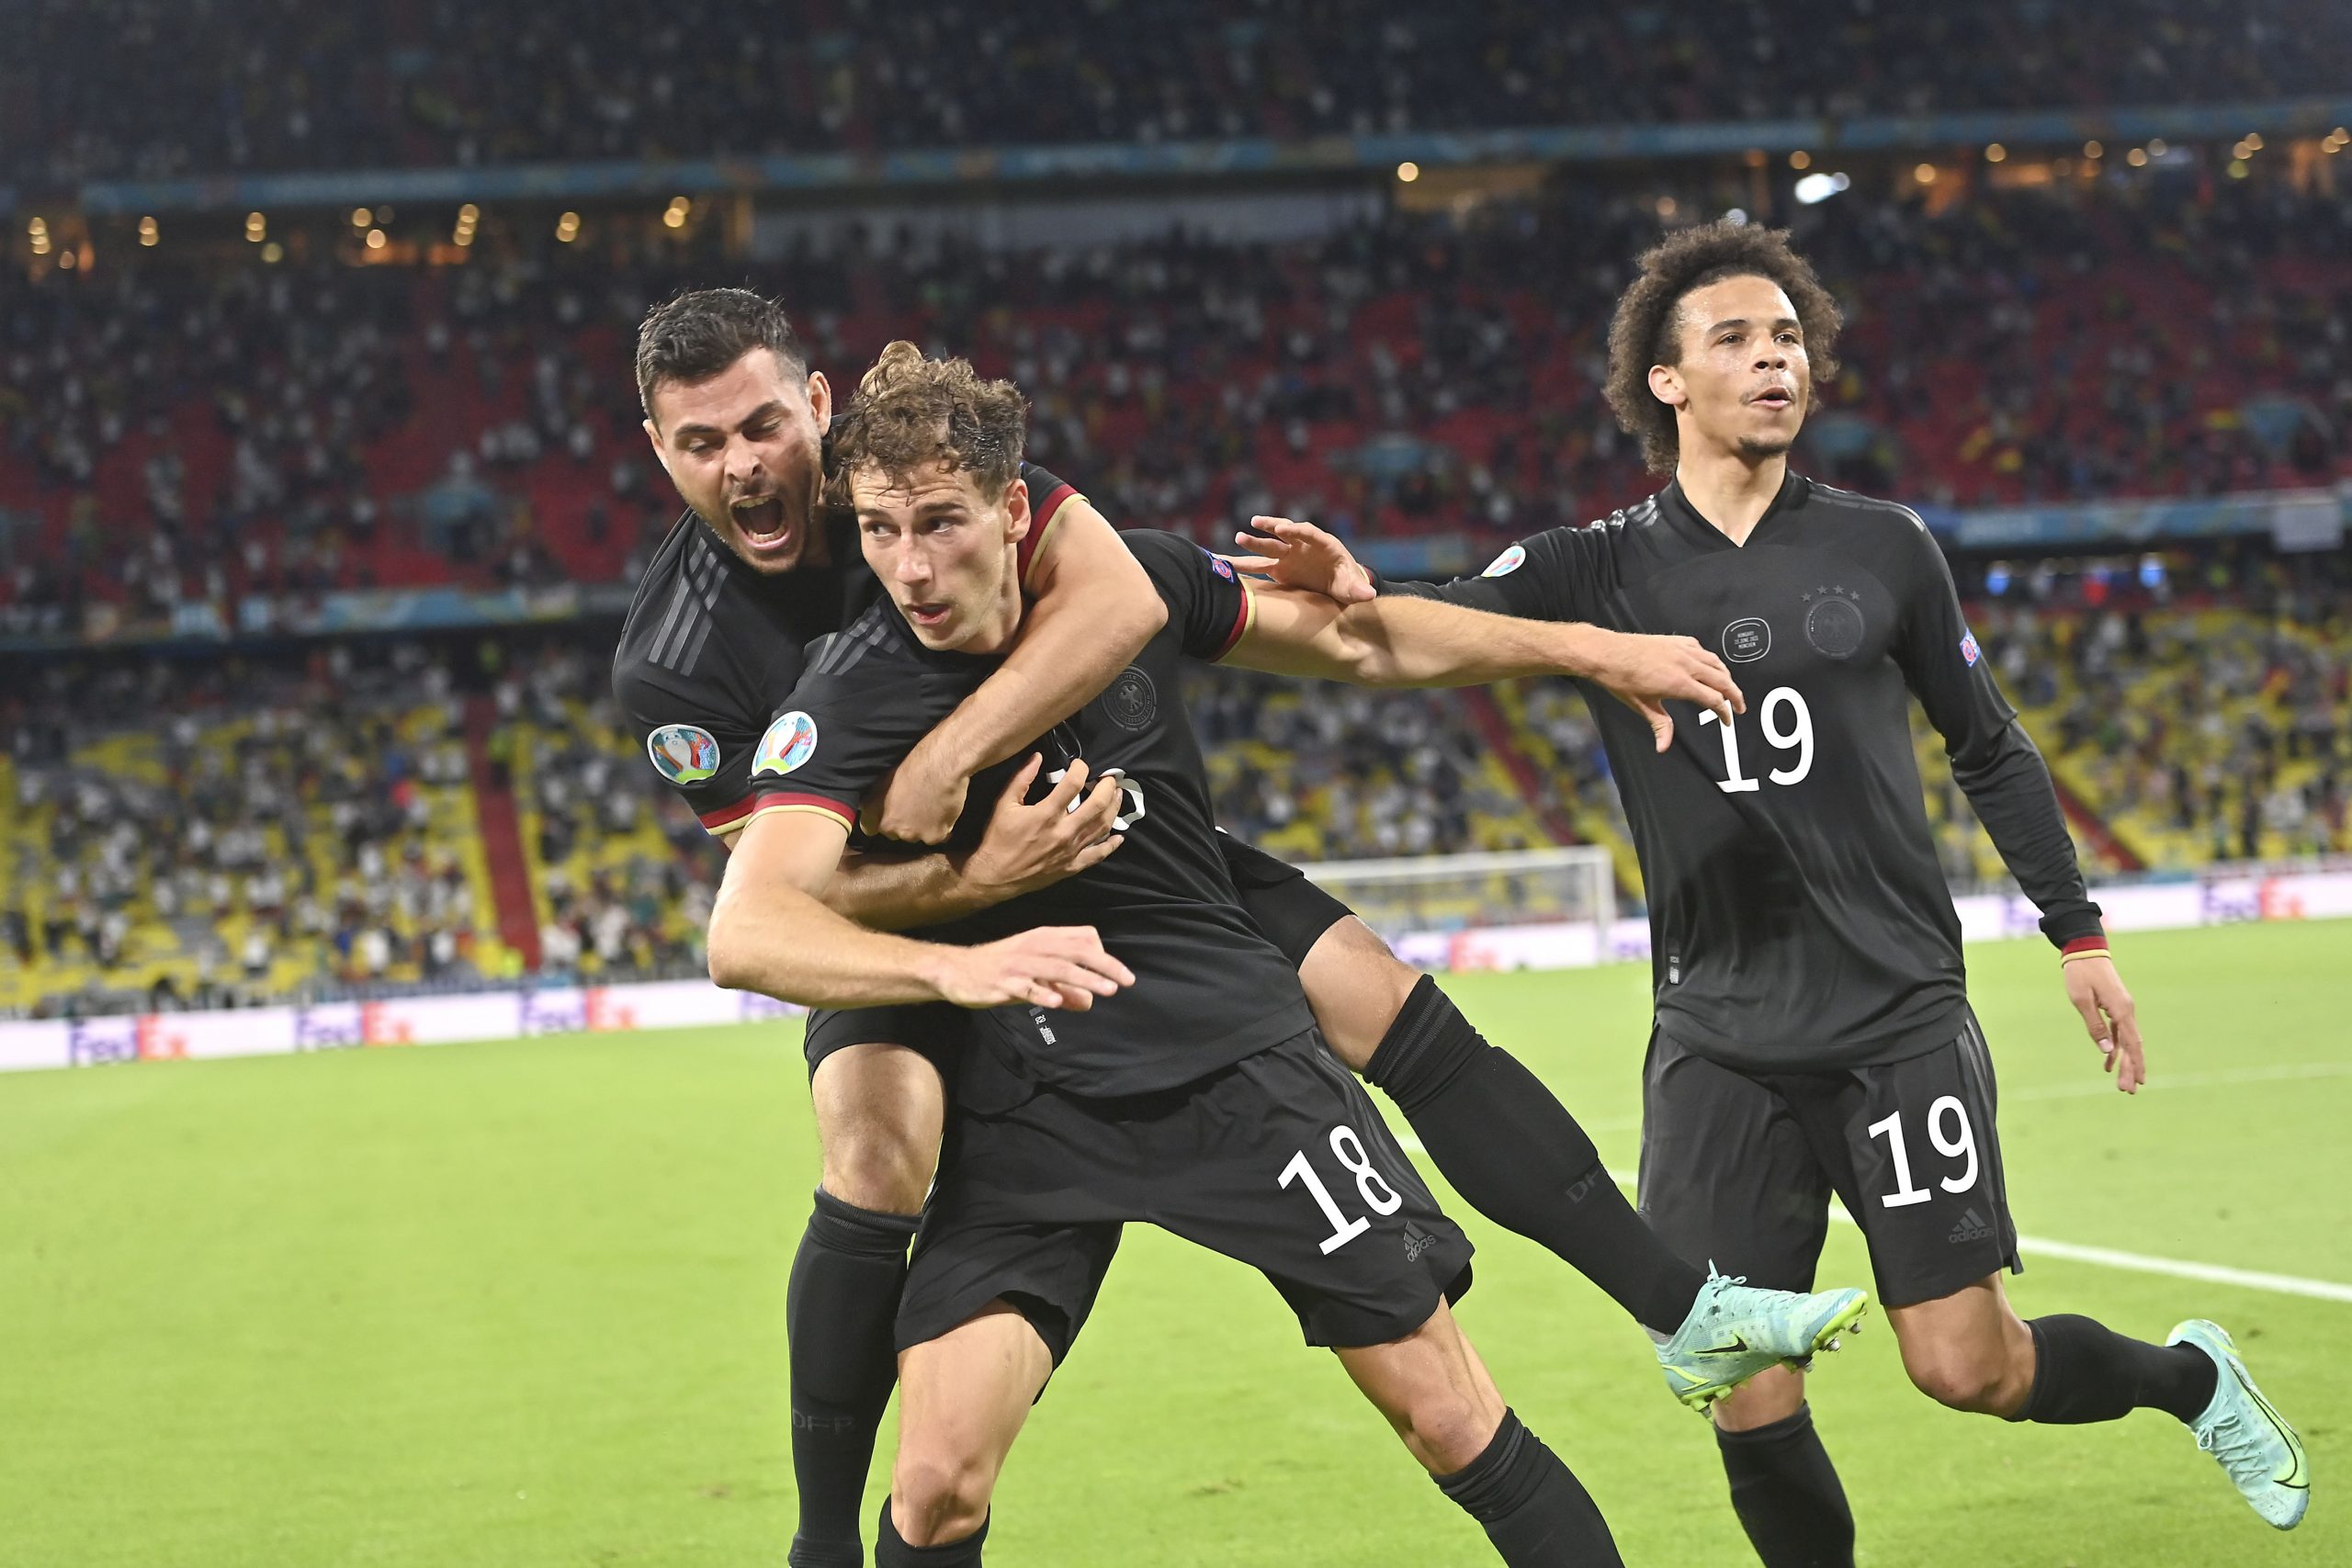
{"x": 1757, "y": 451}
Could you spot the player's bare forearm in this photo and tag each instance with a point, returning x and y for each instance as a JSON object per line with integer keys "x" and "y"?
{"x": 1397, "y": 641}
{"x": 895, "y": 893}
{"x": 1026, "y": 845}
{"x": 1094, "y": 609}
{"x": 770, "y": 932}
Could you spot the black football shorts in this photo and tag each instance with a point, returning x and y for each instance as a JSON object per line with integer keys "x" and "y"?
{"x": 1285, "y": 905}
{"x": 1279, "y": 1161}
{"x": 934, "y": 1031}
{"x": 1737, "y": 1167}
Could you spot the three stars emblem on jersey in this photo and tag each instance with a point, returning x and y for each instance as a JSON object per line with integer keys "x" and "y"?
{"x": 1834, "y": 623}
{"x": 790, "y": 741}
{"x": 682, "y": 753}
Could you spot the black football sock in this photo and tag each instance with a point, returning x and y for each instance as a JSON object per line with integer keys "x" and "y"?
{"x": 1513, "y": 1152}
{"x": 1536, "y": 1512}
{"x": 892, "y": 1551}
{"x": 1787, "y": 1494}
{"x": 840, "y": 1312}
{"x": 2083, "y": 1370}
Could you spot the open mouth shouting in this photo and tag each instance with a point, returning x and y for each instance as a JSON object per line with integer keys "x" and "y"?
{"x": 929, "y": 616}
{"x": 760, "y": 520}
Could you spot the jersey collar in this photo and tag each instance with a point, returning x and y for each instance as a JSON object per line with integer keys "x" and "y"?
{"x": 1677, "y": 506}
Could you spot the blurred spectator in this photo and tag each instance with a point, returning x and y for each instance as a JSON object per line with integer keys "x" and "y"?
{"x": 1399, "y": 377}
{"x": 278, "y": 84}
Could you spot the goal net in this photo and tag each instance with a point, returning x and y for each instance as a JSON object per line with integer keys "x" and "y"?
{"x": 1513, "y": 909}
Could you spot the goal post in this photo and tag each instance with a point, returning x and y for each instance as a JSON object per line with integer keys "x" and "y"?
{"x": 1547, "y": 908}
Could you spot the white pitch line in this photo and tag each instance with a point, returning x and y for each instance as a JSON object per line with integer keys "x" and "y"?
{"x": 2091, "y": 1086}
{"x": 2105, "y": 1084}
{"x": 2108, "y": 1257}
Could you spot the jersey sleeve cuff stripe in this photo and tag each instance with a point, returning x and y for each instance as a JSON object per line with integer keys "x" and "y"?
{"x": 2083, "y": 945}
{"x": 816, "y": 803}
{"x": 1042, "y": 514}
{"x": 1248, "y": 613}
{"x": 726, "y": 818}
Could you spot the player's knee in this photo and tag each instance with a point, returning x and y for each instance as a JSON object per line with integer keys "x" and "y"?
{"x": 1447, "y": 1433}
{"x": 938, "y": 1496}
{"x": 1960, "y": 1380}
{"x": 882, "y": 1168}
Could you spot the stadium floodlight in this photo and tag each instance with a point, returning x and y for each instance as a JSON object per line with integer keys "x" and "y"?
{"x": 1815, "y": 188}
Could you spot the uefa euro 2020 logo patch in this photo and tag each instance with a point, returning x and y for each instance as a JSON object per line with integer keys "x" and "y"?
{"x": 1510, "y": 560}
{"x": 1969, "y": 652}
{"x": 790, "y": 741}
{"x": 682, "y": 753}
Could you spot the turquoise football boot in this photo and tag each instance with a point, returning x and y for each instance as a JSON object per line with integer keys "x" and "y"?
{"x": 2251, "y": 1441}
{"x": 1735, "y": 1330}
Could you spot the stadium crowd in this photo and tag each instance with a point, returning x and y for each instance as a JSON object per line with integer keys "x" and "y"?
{"x": 204, "y": 829}
{"x": 274, "y": 431}
{"x": 269, "y": 85}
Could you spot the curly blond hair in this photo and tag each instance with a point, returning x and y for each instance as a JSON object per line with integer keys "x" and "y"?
{"x": 913, "y": 413}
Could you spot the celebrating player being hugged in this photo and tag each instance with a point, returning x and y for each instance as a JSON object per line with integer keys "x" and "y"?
{"x": 1813, "y": 1033}
{"x": 1159, "y": 1057}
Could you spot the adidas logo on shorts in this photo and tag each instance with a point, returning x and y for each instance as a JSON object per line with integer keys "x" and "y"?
{"x": 1416, "y": 1241}
{"x": 1972, "y": 1228}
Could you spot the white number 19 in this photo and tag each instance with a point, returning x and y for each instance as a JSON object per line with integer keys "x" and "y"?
{"x": 1962, "y": 1146}
{"x": 1797, "y": 737}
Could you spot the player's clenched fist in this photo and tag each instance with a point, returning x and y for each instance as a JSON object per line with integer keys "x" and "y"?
{"x": 1053, "y": 967}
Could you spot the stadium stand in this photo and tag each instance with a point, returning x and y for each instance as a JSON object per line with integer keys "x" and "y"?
{"x": 254, "y": 85}
{"x": 274, "y": 431}
{"x": 227, "y": 830}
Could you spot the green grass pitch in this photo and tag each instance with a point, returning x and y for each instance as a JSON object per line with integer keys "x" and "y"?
{"x": 522, "y": 1304}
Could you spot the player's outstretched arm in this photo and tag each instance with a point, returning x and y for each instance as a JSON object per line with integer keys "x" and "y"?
{"x": 1093, "y": 608}
{"x": 1478, "y": 634}
{"x": 771, "y": 933}
{"x": 1424, "y": 642}
{"x": 1026, "y": 847}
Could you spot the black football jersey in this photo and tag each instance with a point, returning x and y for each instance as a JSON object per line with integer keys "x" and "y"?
{"x": 1209, "y": 989}
{"x": 1798, "y": 915}
{"x": 709, "y": 644}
